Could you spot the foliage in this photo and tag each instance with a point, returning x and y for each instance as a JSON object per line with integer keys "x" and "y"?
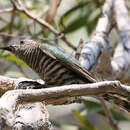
{"x": 83, "y": 17}
{"x": 83, "y": 14}
{"x": 13, "y": 58}
{"x": 92, "y": 108}
{"x": 70, "y": 21}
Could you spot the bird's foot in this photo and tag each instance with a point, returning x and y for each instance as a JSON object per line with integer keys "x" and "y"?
{"x": 30, "y": 85}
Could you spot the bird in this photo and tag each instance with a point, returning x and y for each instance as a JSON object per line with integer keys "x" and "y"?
{"x": 51, "y": 63}
{"x": 56, "y": 68}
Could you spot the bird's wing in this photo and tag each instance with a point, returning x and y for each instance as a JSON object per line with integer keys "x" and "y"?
{"x": 67, "y": 60}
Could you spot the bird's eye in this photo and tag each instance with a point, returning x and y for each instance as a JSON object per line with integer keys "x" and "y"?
{"x": 21, "y": 42}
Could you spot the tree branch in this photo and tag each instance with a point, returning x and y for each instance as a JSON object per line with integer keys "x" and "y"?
{"x": 6, "y": 10}
{"x": 121, "y": 60}
{"x": 95, "y": 47}
{"x": 21, "y": 116}
{"x": 112, "y": 91}
{"x": 17, "y": 101}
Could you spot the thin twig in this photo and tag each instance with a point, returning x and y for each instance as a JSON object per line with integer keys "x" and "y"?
{"x": 20, "y": 7}
{"x": 42, "y": 13}
{"x": 12, "y": 21}
{"x": 112, "y": 121}
{"x": 79, "y": 48}
{"x": 6, "y": 10}
{"x": 53, "y": 8}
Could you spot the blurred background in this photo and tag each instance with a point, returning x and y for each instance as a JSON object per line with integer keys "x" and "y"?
{"x": 77, "y": 19}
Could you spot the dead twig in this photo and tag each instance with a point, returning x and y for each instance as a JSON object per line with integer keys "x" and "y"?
{"x": 20, "y": 7}
{"x": 79, "y": 48}
{"x": 53, "y": 8}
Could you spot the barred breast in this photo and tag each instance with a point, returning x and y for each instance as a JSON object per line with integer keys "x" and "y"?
{"x": 50, "y": 70}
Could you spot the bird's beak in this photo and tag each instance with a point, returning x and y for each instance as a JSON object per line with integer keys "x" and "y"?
{"x": 8, "y": 48}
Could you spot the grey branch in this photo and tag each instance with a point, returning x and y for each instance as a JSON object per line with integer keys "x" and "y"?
{"x": 114, "y": 89}
{"x": 95, "y": 51}
{"x": 121, "y": 60}
{"x": 98, "y": 43}
{"x": 21, "y": 116}
{"x": 15, "y": 101}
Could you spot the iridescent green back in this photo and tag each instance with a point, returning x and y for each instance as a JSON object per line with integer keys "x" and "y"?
{"x": 67, "y": 60}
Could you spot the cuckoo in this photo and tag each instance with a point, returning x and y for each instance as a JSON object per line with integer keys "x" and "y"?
{"x": 55, "y": 67}
{"x": 51, "y": 63}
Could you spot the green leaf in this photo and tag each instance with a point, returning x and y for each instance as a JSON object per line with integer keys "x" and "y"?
{"x": 92, "y": 20}
{"x": 76, "y": 24}
{"x": 92, "y": 106}
{"x": 83, "y": 120}
{"x": 83, "y": 14}
{"x": 79, "y": 6}
{"x": 5, "y": 28}
{"x": 56, "y": 124}
{"x": 97, "y": 107}
{"x": 22, "y": 15}
{"x": 11, "y": 57}
{"x": 119, "y": 116}
{"x": 78, "y": 20}
{"x": 17, "y": 60}
{"x": 115, "y": 114}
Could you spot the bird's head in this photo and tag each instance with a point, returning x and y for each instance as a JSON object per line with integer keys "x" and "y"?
{"x": 21, "y": 46}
